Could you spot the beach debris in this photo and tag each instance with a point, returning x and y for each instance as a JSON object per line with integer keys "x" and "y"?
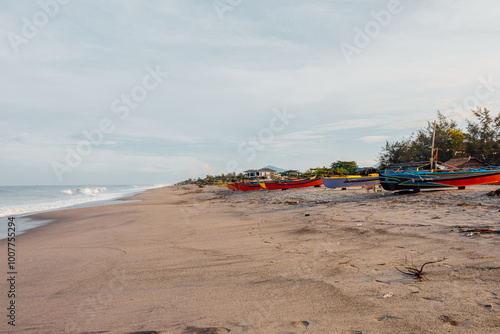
{"x": 294, "y": 201}
{"x": 301, "y": 323}
{"x": 415, "y": 271}
{"x": 478, "y": 257}
{"x": 388, "y": 295}
{"x": 307, "y": 214}
{"x": 205, "y": 330}
{"x": 469, "y": 231}
{"x": 449, "y": 321}
{"x": 494, "y": 192}
{"x": 487, "y": 307}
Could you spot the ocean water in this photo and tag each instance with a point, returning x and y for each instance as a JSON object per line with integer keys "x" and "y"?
{"x": 18, "y": 201}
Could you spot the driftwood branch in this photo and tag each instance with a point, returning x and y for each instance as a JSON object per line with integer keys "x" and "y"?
{"x": 415, "y": 271}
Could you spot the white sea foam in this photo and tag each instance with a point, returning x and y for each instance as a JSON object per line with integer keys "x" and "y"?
{"x": 17, "y": 201}
{"x": 85, "y": 191}
{"x": 22, "y": 200}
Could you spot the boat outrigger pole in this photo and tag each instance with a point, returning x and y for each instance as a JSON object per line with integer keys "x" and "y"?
{"x": 432, "y": 151}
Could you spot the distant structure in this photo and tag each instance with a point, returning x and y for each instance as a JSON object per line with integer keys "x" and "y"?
{"x": 469, "y": 162}
{"x": 261, "y": 174}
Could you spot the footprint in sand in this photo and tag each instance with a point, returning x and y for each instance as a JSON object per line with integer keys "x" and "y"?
{"x": 386, "y": 317}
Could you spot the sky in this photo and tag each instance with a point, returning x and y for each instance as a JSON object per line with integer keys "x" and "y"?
{"x": 155, "y": 92}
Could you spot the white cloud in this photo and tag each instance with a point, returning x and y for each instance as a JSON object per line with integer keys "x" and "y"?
{"x": 226, "y": 77}
{"x": 374, "y": 139}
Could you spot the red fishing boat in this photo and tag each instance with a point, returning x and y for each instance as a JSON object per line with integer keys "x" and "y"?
{"x": 315, "y": 182}
{"x": 248, "y": 186}
{"x": 231, "y": 186}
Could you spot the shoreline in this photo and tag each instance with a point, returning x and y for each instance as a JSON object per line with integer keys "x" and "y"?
{"x": 190, "y": 260}
{"x": 30, "y": 218}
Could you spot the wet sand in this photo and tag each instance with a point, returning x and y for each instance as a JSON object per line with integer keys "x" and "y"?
{"x": 189, "y": 260}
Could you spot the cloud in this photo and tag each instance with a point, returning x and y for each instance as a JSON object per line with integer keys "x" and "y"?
{"x": 374, "y": 139}
{"x": 226, "y": 77}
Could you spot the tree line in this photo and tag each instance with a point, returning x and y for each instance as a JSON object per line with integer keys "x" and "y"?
{"x": 480, "y": 139}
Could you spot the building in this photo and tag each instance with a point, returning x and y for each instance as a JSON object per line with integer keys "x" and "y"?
{"x": 469, "y": 162}
{"x": 261, "y": 174}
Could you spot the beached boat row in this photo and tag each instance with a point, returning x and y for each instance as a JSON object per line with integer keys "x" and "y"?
{"x": 349, "y": 181}
{"x": 389, "y": 180}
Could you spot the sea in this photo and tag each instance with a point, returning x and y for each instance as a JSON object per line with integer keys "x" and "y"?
{"x": 20, "y": 201}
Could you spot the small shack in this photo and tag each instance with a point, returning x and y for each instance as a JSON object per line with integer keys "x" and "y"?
{"x": 469, "y": 162}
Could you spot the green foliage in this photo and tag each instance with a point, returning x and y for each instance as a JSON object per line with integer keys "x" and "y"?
{"x": 318, "y": 171}
{"x": 481, "y": 140}
{"x": 484, "y": 136}
{"x": 290, "y": 173}
{"x": 344, "y": 167}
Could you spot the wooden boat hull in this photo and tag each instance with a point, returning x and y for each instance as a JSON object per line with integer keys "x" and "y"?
{"x": 294, "y": 184}
{"x": 231, "y": 186}
{"x": 248, "y": 186}
{"x": 350, "y": 181}
{"x": 416, "y": 180}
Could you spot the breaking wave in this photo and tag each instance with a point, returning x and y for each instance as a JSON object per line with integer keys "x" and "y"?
{"x": 85, "y": 191}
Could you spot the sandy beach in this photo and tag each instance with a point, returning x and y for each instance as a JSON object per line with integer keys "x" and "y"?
{"x": 188, "y": 260}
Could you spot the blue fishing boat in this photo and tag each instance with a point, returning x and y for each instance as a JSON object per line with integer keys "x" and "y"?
{"x": 350, "y": 181}
{"x": 416, "y": 180}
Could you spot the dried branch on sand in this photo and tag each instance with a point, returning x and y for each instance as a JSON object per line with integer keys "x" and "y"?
{"x": 494, "y": 192}
{"x": 415, "y": 271}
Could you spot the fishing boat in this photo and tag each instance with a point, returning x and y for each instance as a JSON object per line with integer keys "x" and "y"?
{"x": 231, "y": 186}
{"x": 417, "y": 180}
{"x": 350, "y": 181}
{"x": 313, "y": 182}
{"x": 248, "y": 186}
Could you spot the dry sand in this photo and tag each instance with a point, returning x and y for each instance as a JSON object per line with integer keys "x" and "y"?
{"x": 187, "y": 260}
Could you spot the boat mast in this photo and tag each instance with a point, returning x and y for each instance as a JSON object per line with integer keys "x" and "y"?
{"x": 432, "y": 150}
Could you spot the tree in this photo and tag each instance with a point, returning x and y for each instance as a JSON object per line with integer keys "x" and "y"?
{"x": 483, "y": 140}
{"x": 344, "y": 167}
{"x": 449, "y": 140}
{"x": 395, "y": 153}
{"x": 318, "y": 171}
